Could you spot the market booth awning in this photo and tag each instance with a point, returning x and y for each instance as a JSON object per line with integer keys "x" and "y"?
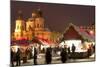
{"x": 74, "y": 32}
{"x": 45, "y": 42}
{"x": 35, "y": 40}
{"x": 25, "y": 42}
{"x": 20, "y": 42}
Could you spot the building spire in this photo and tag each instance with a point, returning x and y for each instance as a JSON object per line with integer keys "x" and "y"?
{"x": 34, "y": 14}
{"x": 40, "y": 12}
{"x": 20, "y": 15}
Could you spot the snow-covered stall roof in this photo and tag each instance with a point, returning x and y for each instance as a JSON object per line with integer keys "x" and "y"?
{"x": 84, "y": 34}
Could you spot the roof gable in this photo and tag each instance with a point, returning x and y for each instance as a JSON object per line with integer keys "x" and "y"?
{"x": 73, "y": 32}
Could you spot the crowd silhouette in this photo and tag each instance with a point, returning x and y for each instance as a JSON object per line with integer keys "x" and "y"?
{"x": 32, "y": 53}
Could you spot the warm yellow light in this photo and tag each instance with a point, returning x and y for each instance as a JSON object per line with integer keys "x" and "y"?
{"x": 77, "y": 44}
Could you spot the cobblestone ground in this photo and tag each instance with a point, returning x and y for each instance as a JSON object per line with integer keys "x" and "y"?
{"x": 55, "y": 60}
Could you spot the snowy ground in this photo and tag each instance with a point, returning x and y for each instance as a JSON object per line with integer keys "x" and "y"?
{"x": 55, "y": 60}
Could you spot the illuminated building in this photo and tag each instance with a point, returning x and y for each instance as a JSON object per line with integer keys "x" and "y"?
{"x": 33, "y": 27}
{"x": 19, "y": 27}
{"x": 74, "y": 35}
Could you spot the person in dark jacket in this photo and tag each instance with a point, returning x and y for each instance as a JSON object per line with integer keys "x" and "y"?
{"x": 18, "y": 59}
{"x": 73, "y": 48}
{"x": 48, "y": 56}
{"x": 94, "y": 48}
{"x": 73, "y": 51}
{"x": 89, "y": 51}
{"x": 35, "y": 56}
{"x": 63, "y": 55}
{"x": 50, "y": 49}
{"x": 12, "y": 58}
{"x": 69, "y": 51}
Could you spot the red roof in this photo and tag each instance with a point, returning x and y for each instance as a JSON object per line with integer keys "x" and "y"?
{"x": 74, "y": 32}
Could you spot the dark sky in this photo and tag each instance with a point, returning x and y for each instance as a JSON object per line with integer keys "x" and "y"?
{"x": 57, "y": 16}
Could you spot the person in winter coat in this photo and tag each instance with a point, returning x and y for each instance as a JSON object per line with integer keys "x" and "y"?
{"x": 48, "y": 56}
{"x": 63, "y": 56}
{"x": 12, "y": 58}
{"x": 18, "y": 57}
{"x": 34, "y": 54}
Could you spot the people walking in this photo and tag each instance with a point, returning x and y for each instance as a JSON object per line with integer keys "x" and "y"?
{"x": 12, "y": 58}
{"x": 48, "y": 56}
{"x": 35, "y": 56}
{"x": 68, "y": 51}
{"x": 18, "y": 59}
{"x": 89, "y": 51}
{"x": 73, "y": 50}
{"x": 34, "y": 52}
{"x": 63, "y": 55}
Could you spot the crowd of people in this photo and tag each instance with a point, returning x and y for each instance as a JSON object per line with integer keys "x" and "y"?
{"x": 32, "y": 53}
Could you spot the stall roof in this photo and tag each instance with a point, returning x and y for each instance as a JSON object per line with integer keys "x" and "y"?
{"x": 84, "y": 34}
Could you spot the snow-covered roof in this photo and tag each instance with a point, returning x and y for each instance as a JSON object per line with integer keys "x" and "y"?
{"x": 84, "y": 34}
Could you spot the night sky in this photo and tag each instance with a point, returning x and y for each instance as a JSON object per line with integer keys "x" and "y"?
{"x": 57, "y": 16}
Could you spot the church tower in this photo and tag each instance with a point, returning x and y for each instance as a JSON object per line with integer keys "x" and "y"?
{"x": 19, "y": 27}
{"x": 30, "y": 25}
{"x": 35, "y": 24}
{"x": 39, "y": 24}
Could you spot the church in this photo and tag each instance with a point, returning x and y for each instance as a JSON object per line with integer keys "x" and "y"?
{"x": 33, "y": 27}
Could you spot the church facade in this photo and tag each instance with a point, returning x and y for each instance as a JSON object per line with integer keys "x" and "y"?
{"x": 33, "y": 27}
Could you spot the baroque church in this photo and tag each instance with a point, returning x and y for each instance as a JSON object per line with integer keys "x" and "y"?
{"x": 33, "y": 27}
